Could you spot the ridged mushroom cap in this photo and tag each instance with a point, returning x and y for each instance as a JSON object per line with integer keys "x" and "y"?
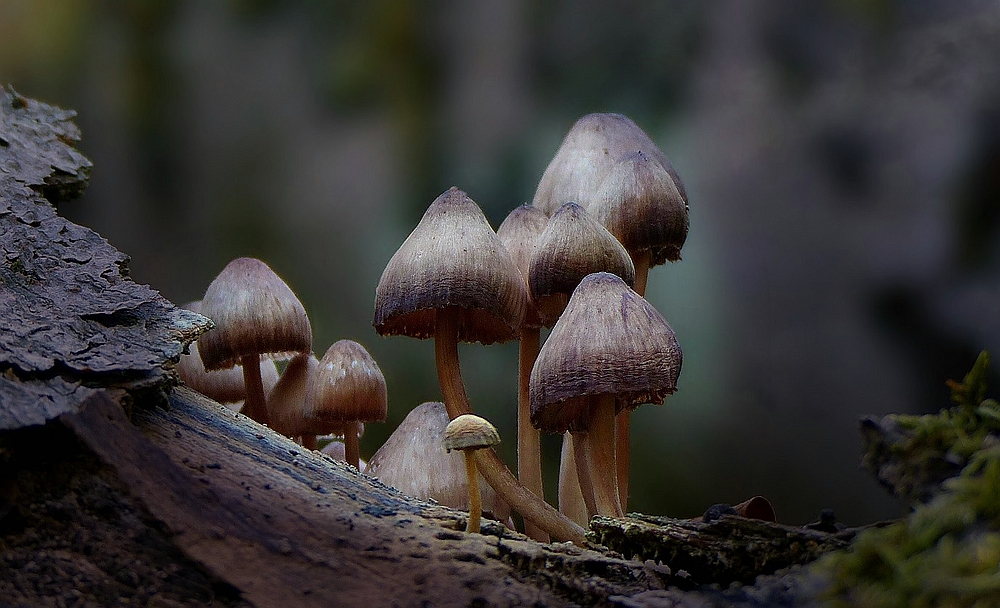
{"x": 255, "y": 313}
{"x": 452, "y": 258}
{"x": 639, "y": 204}
{"x": 572, "y": 246}
{"x": 414, "y": 461}
{"x": 470, "y": 432}
{"x": 519, "y": 233}
{"x": 588, "y": 152}
{"x": 348, "y": 386}
{"x": 286, "y": 401}
{"x": 608, "y": 341}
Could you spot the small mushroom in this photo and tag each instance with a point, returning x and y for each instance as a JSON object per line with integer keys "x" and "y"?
{"x": 255, "y": 314}
{"x": 469, "y": 433}
{"x": 348, "y": 388}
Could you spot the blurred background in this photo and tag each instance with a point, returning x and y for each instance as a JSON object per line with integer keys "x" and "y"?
{"x": 842, "y": 160}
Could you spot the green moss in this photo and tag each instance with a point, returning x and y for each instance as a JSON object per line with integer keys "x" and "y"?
{"x": 947, "y": 552}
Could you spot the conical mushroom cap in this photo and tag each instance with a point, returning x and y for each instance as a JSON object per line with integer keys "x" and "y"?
{"x": 519, "y": 233}
{"x": 573, "y": 245}
{"x": 639, "y": 204}
{"x": 255, "y": 313}
{"x": 588, "y": 152}
{"x": 286, "y": 401}
{"x": 348, "y": 386}
{"x": 451, "y": 259}
{"x": 608, "y": 341}
{"x": 414, "y": 461}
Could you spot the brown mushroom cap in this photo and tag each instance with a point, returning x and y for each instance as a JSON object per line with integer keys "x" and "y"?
{"x": 608, "y": 341}
{"x": 519, "y": 232}
{"x": 573, "y": 245}
{"x": 470, "y": 432}
{"x": 414, "y": 461}
{"x": 286, "y": 401}
{"x": 348, "y": 386}
{"x": 452, "y": 258}
{"x": 588, "y": 152}
{"x": 255, "y": 313}
{"x": 639, "y": 204}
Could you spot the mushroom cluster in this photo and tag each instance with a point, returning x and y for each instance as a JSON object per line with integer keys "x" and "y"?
{"x": 608, "y": 207}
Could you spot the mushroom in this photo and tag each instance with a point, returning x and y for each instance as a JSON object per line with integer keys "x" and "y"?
{"x": 286, "y": 401}
{"x": 414, "y": 461}
{"x": 452, "y": 280}
{"x": 609, "y": 351}
{"x": 255, "y": 314}
{"x": 519, "y": 232}
{"x": 641, "y": 204}
{"x": 470, "y": 433}
{"x": 348, "y": 388}
{"x": 335, "y": 449}
{"x": 584, "y": 159}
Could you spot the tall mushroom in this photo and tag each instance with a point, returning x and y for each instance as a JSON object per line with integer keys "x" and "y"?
{"x": 469, "y": 433}
{"x": 452, "y": 280}
{"x": 640, "y": 203}
{"x": 609, "y": 351}
{"x": 519, "y": 233}
{"x": 348, "y": 388}
{"x": 255, "y": 314}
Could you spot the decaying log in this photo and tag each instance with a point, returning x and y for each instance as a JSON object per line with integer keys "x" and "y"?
{"x": 118, "y": 487}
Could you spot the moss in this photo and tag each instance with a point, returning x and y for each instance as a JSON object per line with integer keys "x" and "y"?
{"x": 947, "y": 552}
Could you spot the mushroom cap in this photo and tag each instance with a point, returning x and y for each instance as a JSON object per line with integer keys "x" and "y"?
{"x": 639, "y": 203}
{"x": 451, "y": 259}
{"x": 255, "y": 313}
{"x": 286, "y": 401}
{"x": 413, "y": 460}
{"x": 588, "y": 152}
{"x": 470, "y": 432}
{"x": 223, "y": 385}
{"x": 608, "y": 341}
{"x": 348, "y": 386}
{"x": 573, "y": 245}
{"x": 519, "y": 232}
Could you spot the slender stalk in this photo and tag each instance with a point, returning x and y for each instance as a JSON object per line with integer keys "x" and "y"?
{"x": 529, "y": 459}
{"x": 352, "y": 450}
{"x": 571, "y": 502}
{"x": 623, "y": 422}
{"x": 475, "y": 497}
{"x": 254, "y": 406}
{"x": 597, "y": 446}
{"x": 584, "y": 474}
{"x": 309, "y": 441}
{"x": 491, "y": 467}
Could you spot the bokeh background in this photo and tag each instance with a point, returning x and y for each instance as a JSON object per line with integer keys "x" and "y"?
{"x": 842, "y": 159}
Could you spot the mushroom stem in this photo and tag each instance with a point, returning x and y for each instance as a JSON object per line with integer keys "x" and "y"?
{"x": 491, "y": 467}
{"x": 623, "y": 421}
{"x": 571, "y": 501}
{"x": 595, "y": 456}
{"x": 309, "y": 441}
{"x": 475, "y": 497}
{"x": 254, "y": 407}
{"x": 584, "y": 475}
{"x": 529, "y": 461}
{"x": 352, "y": 450}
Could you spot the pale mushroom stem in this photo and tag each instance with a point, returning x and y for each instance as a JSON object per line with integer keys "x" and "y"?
{"x": 491, "y": 467}
{"x": 584, "y": 476}
{"x": 352, "y": 450}
{"x": 475, "y": 496}
{"x": 529, "y": 460}
{"x": 571, "y": 502}
{"x": 623, "y": 421}
{"x": 254, "y": 406}
{"x": 595, "y": 456}
{"x": 309, "y": 441}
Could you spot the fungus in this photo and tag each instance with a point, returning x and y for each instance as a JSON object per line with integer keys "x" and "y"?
{"x": 255, "y": 314}
{"x": 470, "y": 433}
{"x": 452, "y": 280}
{"x": 609, "y": 351}
{"x": 348, "y": 388}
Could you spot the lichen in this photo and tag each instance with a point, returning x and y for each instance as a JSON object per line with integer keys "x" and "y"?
{"x": 947, "y": 552}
